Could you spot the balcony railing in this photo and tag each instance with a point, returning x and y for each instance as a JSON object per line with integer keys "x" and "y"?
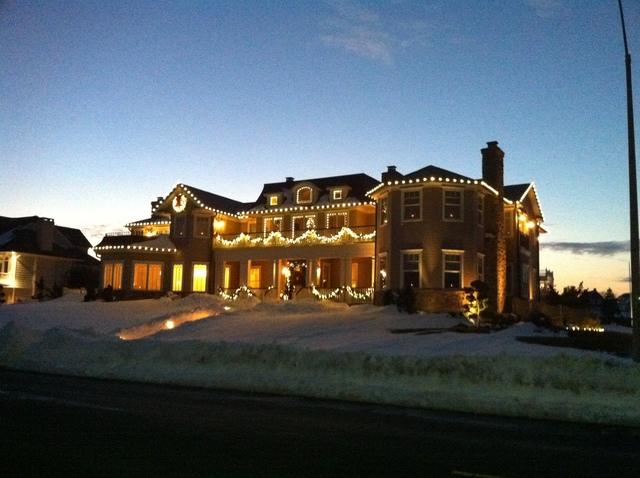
{"x": 309, "y": 237}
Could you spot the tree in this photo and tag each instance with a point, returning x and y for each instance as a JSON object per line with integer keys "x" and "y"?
{"x": 609, "y": 308}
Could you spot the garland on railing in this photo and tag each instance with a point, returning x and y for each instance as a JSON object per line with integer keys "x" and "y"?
{"x": 309, "y": 237}
{"x": 335, "y": 293}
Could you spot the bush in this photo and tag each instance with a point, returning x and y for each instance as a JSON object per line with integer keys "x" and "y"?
{"x": 407, "y": 300}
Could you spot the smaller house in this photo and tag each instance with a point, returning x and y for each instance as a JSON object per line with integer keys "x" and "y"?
{"x": 34, "y": 250}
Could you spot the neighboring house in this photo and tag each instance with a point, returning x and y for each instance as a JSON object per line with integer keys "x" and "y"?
{"x": 624, "y": 305}
{"x": 340, "y": 236}
{"x": 35, "y": 249}
{"x": 547, "y": 282}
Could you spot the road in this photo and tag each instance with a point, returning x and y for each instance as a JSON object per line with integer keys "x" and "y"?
{"x": 58, "y": 425}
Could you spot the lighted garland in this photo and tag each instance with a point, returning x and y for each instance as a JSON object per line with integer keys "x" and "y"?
{"x": 309, "y": 237}
{"x": 243, "y": 289}
{"x": 337, "y": 292}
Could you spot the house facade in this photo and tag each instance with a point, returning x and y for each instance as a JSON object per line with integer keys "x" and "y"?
{"x": 345, "y": 237}
{"x": 34, "y": 249}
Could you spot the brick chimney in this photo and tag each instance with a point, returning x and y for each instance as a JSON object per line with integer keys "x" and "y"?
{"x": 44, "y": 233}
{"x": 391, "y": 174}
{"x": 156, "y": 203}
{"x": 495, "y": 245}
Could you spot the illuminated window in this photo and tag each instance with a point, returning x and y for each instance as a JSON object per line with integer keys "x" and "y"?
{"x": 273, "y": 200}
{"x": 254, "y": 277}
{"x": 337, "y": 194}
{"x": 383, "y": 206}
{"x": 4, "y": 265}
{"x": 177, "y": 278}
{"x": 452, "y": 270}
{"x": 481, "y": 267}
{"x": 303, "y": 195}
{"x": 112, "y": 275}
{"x": 227, "y": 277}
{"x": 302, "y": 223}
{"x": 411, "y": 268}
{"x": 272, "y": 224}
{"x": 147, "y": 276}
{"x": 355, "y": 272}
{"x": 201, "y": 226}
{"x": 199, "y": 277}
{"x": 452, "y": 205}
{"x": 337, "y": 220}
{"x": 412, "y": 205}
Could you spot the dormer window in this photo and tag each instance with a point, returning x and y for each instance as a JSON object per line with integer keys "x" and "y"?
{"x": 336, "y": 195}
{"x": 303, "y": 195}
{"x": 273, "y": 200}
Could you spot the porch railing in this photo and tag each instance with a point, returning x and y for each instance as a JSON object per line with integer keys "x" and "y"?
{"x": 332, "y": 235}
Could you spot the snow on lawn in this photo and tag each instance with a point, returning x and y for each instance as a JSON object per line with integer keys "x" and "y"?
{"x": 321, "y": 350}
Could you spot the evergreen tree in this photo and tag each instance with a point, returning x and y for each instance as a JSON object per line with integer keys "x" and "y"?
{"x": 609, "y": 308}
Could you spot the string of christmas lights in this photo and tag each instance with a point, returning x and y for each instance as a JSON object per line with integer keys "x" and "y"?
{"x": 309, "y": 237}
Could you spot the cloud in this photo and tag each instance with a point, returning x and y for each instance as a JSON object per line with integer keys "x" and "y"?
{"x": 363, "y": 32}
{"x": 96, "y": 232}
{"x": 605, "y": 248}
{"x": 548, "y": 8}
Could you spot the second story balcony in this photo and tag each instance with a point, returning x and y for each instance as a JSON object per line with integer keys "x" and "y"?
{"x": 308, "y": 237}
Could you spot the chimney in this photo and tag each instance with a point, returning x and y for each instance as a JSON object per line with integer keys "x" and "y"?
{"x": 156, "y": 203}
{"x": 289, "y": 179}
{"x": 391, "y": 174}
{"x": 44, "y": 233}
{"x": 493, "y": 166}
{"x": 495, "y": 243}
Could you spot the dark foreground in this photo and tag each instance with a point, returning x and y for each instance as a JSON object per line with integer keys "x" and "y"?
{"x": 52, "y": 425}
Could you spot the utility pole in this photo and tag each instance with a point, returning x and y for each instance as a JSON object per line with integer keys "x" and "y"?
{"x": 633, "y": 203}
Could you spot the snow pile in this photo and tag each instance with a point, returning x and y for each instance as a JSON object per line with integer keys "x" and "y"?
{"x": 560, "y": 386}
{"x": 320, "y": 349}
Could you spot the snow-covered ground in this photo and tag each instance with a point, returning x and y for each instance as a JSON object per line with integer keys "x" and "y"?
{"x": 320, "y": 349}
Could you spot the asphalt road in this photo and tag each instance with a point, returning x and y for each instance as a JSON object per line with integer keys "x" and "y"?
{"x": 55, "y": 425}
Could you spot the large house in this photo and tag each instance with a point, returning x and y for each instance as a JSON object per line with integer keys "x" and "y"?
{"x": 34, "y": 250}
{"x": 347, "y": 237}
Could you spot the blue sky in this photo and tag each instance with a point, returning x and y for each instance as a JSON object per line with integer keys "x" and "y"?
{"x": 106, "y": 105}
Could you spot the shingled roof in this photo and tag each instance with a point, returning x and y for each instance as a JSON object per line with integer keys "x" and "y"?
{"x": 435, "y": 171}
{"x": 358, "y": 183}
{"x": 216, "y": 201}
{"x": 514, "y": 192}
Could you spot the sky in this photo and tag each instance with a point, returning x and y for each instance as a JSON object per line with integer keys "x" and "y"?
{"x": 106, "y": 105}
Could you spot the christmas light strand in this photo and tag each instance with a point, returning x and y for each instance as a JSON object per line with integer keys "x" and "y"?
{"x": 309, "y": 237}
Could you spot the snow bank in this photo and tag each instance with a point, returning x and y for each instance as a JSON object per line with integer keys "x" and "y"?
{"x": 558, "y": 387}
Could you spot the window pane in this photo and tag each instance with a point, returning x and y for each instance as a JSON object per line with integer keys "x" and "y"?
{"x": 140, "y": 276}
{"x": 177, "y": 277}
{"x": 452, "y": 280}
{"x": 452, "y": 205}
{"x": 106, "y": 275}
{"x": 154, "y": 277}
{"x": 117, "y": 276}
{"x": 304, "y": 195}
{"x": 384, "y": 212}
{"x": 202, "y": 226}
{"x": 411, "y": 205}
{"x": 199, "y": 277}
{"x": 411, "y": 270}
{"x": 254, "y": 277}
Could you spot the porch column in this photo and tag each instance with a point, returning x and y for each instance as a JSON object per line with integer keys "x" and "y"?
{"x": 346, "y": 271}
{"x": 243, "y": 273}
{"x": 373, "y": 272}
{"x": 311, "y": 272}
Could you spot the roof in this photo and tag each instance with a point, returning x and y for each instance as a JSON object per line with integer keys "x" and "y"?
{"x": 27, "y": 234}
{"x": 358, "y": 185}
{"x": 514, "y": 192}
{"x": 207, "y": 200}
{"x": 161, "y": 243}
{"x": 435, "y": 171}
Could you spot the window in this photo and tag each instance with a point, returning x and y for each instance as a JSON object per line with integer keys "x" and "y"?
{"x": 355, "y": 273}
{"x": 524, "y": 281}
{"x": 201, "y": 226}
{"x": 481, "y": 210}
{"x": 412, "y": 205}
{"x": 227, "y": 277}
{"x": 336, "y": 194}
{"x": 382, "y": 271}
{"x": 303, "y": 195}
{"x": 337, "y": 220}
{"x": 384, "y": 210}
{"x": 272, "y": 224}
{"x": 273, "y": 200}
{"x": 180, "y": 225}
{"x": 112, "y": 275}
{"x": 302, "y": 223}
{"x": 411, "y": 269}
{"x": 4, "y": 265}
{"x": 254, "y": 277}
{"x": 176, "y": 283}
{"x": 481, "y": 267}
{"x": 452, "y": 270}
{"x": 147, "y": 276}
{"x": 452, "y": 205}
{"x": 199, "y": 278}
